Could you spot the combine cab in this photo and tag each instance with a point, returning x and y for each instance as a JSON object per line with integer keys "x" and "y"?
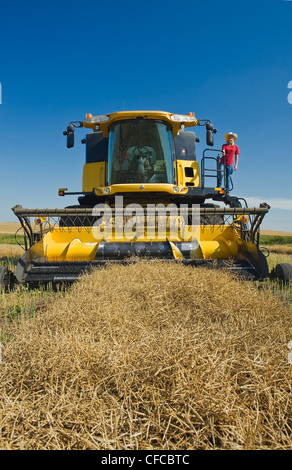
{"x": 144, "y": 196}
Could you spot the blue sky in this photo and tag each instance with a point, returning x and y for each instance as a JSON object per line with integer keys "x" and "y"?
{"x": 227, "y": 61}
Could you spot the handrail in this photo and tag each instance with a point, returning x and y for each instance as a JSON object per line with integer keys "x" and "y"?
{"x": 217, "y": 170}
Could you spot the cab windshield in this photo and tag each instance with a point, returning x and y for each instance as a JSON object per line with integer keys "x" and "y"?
{"x": 140, "y": 151}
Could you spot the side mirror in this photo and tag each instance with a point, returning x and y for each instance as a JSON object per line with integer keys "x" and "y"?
{"x": 210, "y": 138}
{"x": 70, "y": 136}
{"x": 210, "y": 134}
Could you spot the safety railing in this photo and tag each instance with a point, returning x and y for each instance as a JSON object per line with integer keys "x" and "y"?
{"x": 213, "y": 172}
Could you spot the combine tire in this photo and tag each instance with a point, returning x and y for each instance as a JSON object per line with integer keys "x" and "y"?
{"x": 6, "y": 278}
{"x": 283, "y": 272}
{"x": 212, "y": 219}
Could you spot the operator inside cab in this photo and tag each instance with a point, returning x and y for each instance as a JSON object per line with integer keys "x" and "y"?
{"x": 138, "y": 160}
{"x": 140, "y": 152}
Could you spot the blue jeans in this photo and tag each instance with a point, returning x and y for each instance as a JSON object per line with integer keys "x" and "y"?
{"x": 228, "y": 172}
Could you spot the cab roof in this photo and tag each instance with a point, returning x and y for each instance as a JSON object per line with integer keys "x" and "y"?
{"x": 104, "y": 121}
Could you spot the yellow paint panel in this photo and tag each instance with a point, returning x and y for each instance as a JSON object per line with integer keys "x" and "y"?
{"x": 81, "y": 243}
{"x": 122, "y": 115}
{"x": 93, "y": 176}
{"x": 144, "y": 187}
{"x": 182, "y": 179}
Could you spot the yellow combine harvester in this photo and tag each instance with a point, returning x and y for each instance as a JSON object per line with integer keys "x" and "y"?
{"x": 144, "y": 195}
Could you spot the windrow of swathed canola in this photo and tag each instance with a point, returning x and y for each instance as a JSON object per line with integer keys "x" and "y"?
{"x": 150, "y": 356}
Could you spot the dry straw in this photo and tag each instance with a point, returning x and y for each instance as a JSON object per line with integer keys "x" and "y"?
{"x": 150, "y": 356}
